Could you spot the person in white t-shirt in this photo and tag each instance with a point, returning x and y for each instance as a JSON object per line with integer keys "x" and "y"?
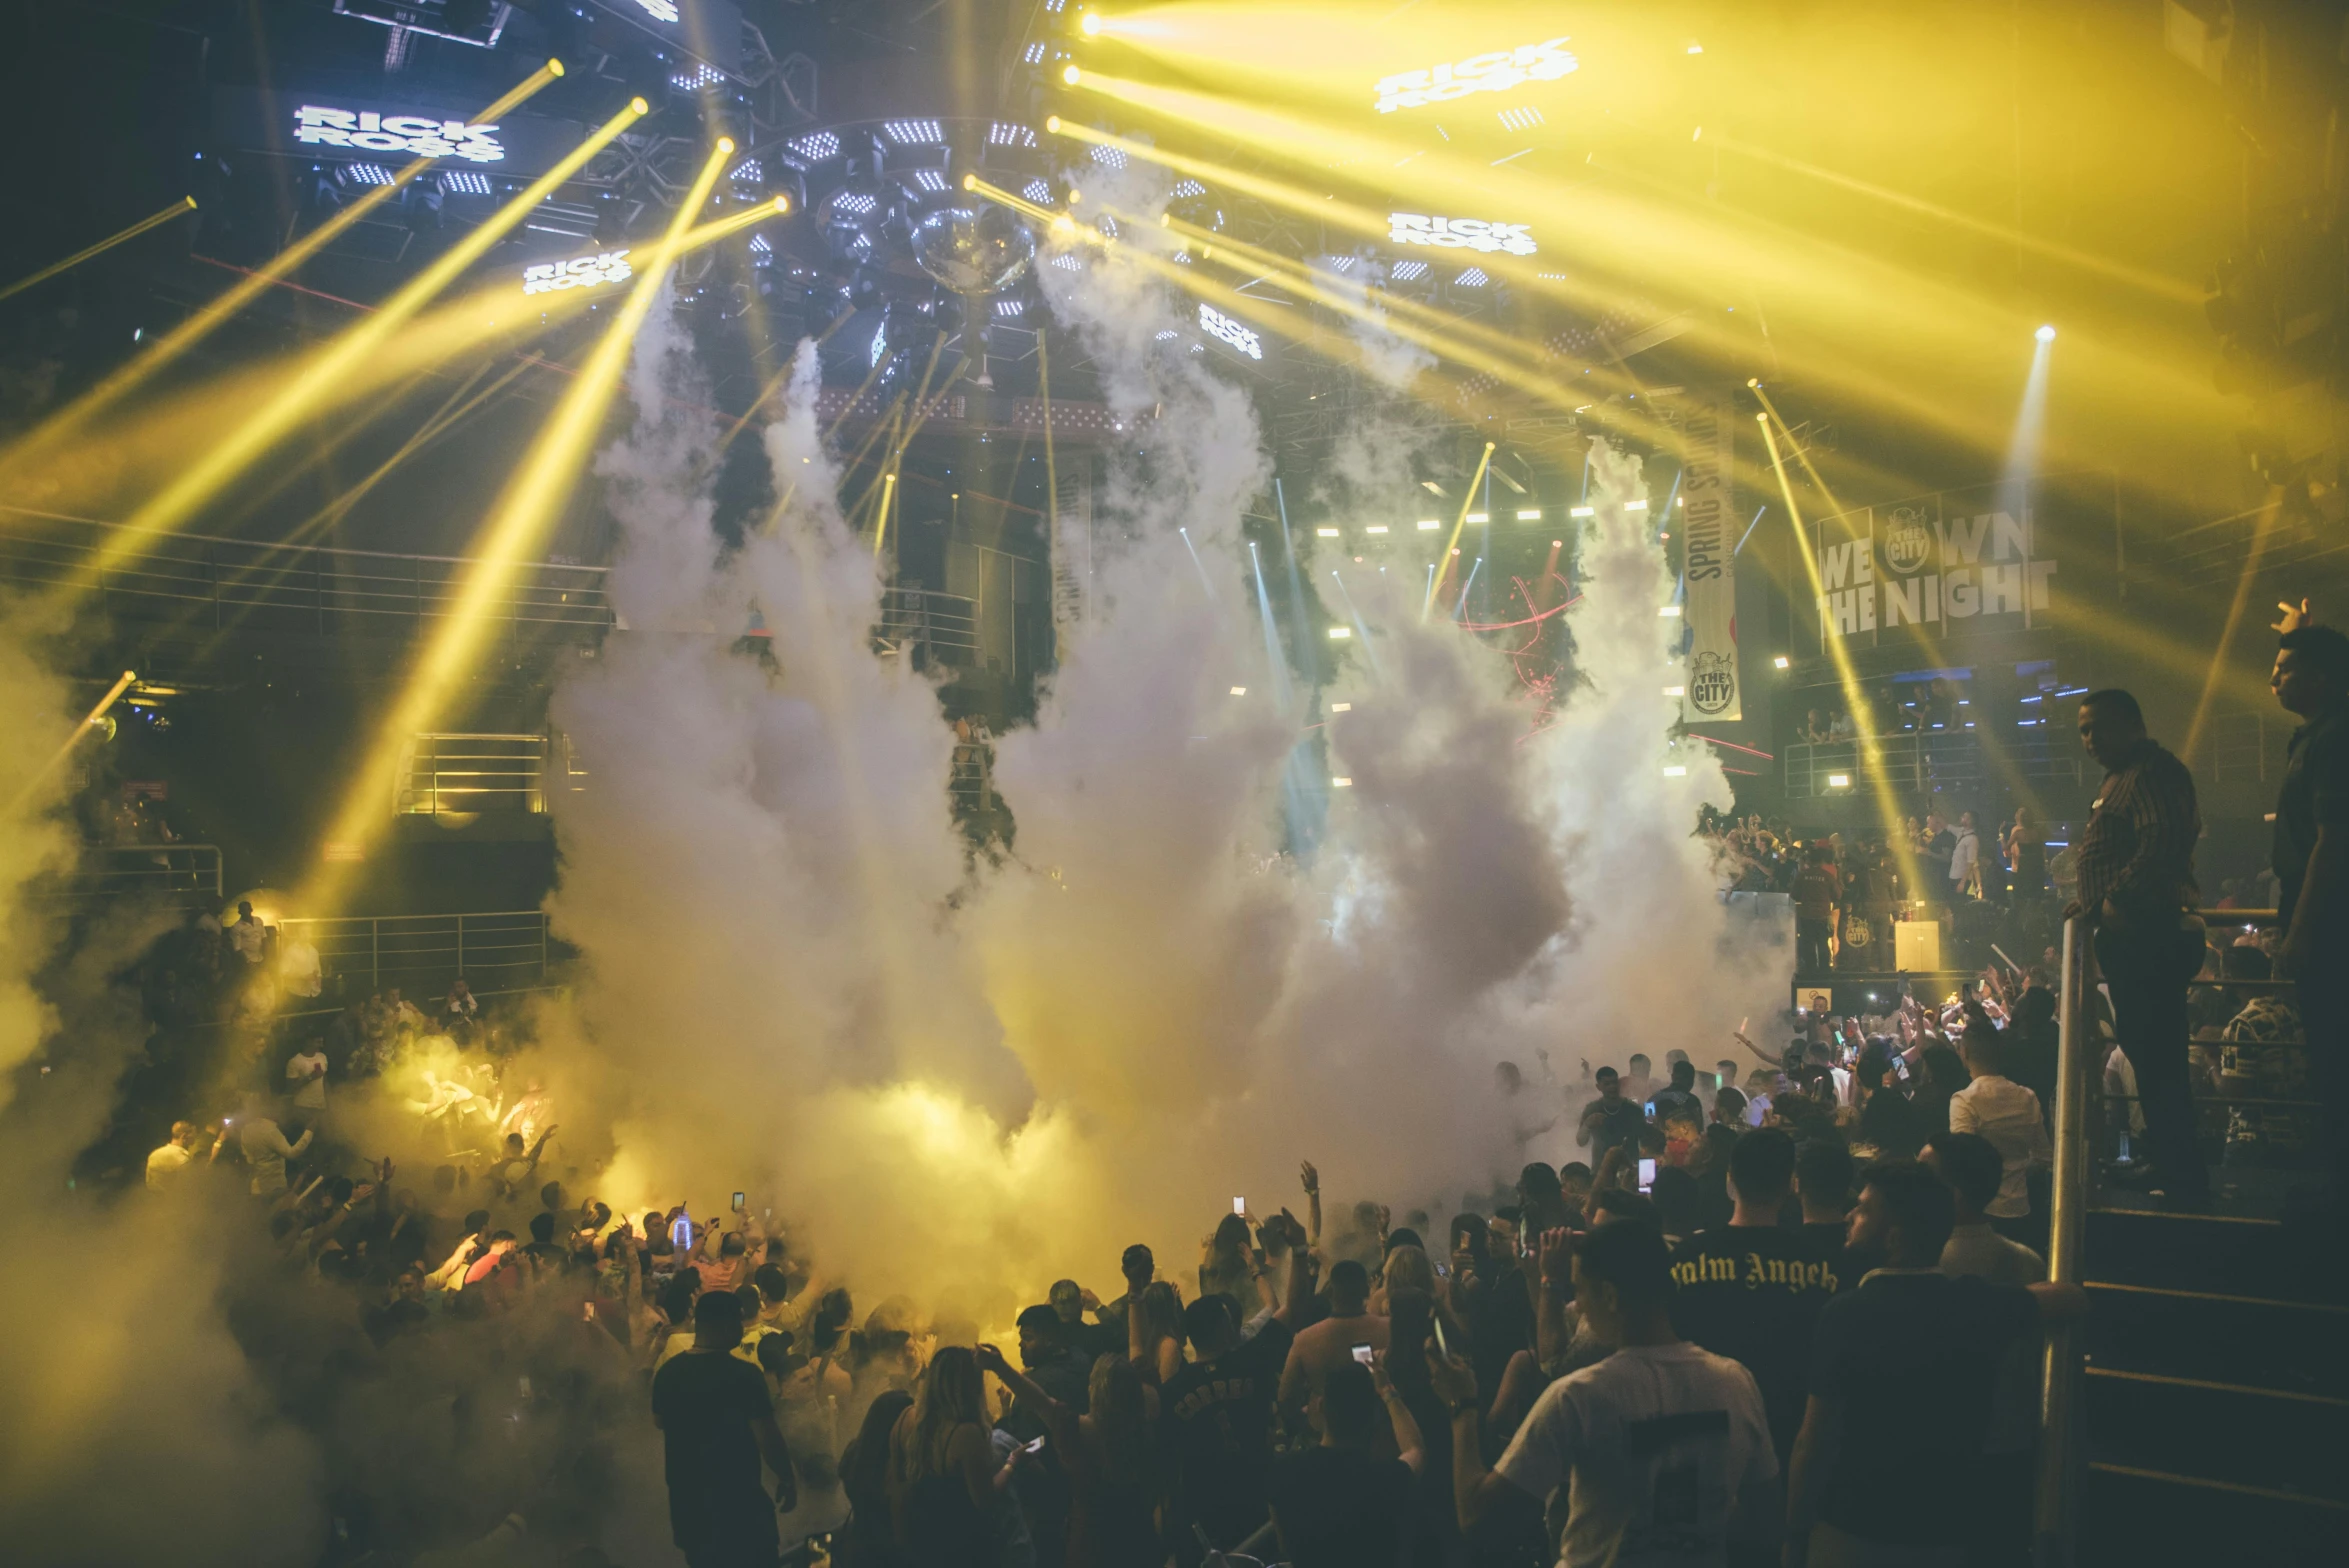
{"x": 1662, "y": 1449}
{"x": 246, "y": 934}
{"x": 1965, "y": 861}
{"x": 305, "y": 1078}
{"x": 299, "y": 968}
{"x": 166, "y": 1163}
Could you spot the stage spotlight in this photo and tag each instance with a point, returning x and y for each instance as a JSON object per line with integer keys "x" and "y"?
{"x": 1091, "y": 25}
{"x": 2046, "y": 333}
{"x": 1781, "y": 662}
{"x": 1072, "y": 75}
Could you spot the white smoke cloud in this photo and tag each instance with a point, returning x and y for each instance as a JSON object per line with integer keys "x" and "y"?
{"x": 1386, "y": 356}
{"x": 128, "y": 1379}
{"x": 980, "y": 1072}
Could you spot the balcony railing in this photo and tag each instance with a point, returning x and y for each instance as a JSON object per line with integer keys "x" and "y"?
{"x": 421, "y": 954}
{"x": 1914, "y": 764}
{"x": 929, "y": 628}
{"x": 186, "y": 874}
{"x": 231, "y": 583}
{"x": 2250, "y": 747}
{"x": 444, "y": 774}
{"x": 972, "y": 783}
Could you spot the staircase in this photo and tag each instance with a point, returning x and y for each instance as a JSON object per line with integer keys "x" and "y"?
{"x": 2213, "y": 1386}
{"x": 2215, "y": 1395}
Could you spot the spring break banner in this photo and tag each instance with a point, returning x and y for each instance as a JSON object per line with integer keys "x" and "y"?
{"x": 1708, "y": 524}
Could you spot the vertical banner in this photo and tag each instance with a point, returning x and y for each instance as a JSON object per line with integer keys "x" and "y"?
{"x": 1709, "y": 542}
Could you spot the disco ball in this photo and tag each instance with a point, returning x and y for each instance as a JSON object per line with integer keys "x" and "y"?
{"x": 974, "y": 250}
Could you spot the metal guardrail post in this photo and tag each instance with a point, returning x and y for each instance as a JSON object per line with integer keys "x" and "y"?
{"x": 2054, "y": 1512}
{"x": 460, "y": 946}
{"x": 374, "y": 957}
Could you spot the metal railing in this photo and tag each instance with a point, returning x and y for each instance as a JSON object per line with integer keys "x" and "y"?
{"x": 2248, "y": 747}
{"x": 1923, "y": 763}
{"x": 470, "y": 773}
{"x": 221, "y": 583}
{"x": 2055, "y": 1506}
{"x": 504, "y": 950}
{"x": 179, "y": 873}
{"x": 972, "y": 783}
{"x": 2081, "y": 1140}
{"x": 933, "y": 628}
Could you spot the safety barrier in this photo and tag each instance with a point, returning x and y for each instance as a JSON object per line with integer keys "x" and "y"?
{"x": 503, "y": 950}
{"x": 443, "y": 774}
{"x": 179, "y": 873}
{"x": 1923, "y": 764}
{"x": 227, "y": 583}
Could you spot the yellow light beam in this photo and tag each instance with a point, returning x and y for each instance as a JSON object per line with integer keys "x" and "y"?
{"x": 909, "y": 425}
{"x": 445, "y": 418}
{"x": 1846, "y": 300}
{"x": 1187, "y": 279}
{"x": 169, "y": 347}
{"x": 33, "y": 784}
{"x": 1846, "y": 676}
{"x": 2176, "y": 290}
{"x": 1190, "y": 280}
{"x": 516, "y": 527}
{"x": 1359, "y": 220}
{"x": 1452, "y": 546}
{"x": 2226, "y": 642}
{"x": 1298, "y": 140}
{"x": 185, "y": 204}
{"x": 881, "y": 524}
{"x": 344, "y": 356}
{"x": 1441, "y": 334}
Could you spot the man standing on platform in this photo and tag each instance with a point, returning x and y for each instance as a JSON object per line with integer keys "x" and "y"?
{"x": 2136, "y": 888}
{"x": 2311, "y": 680}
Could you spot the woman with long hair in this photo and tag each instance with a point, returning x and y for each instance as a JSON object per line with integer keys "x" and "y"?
{"x": 942, "y": 1467}
{"x": 1154, "y": 1333}
{"x": 2026, "y": 857}
{"x": 1472, "y": 1256}
{"x": 1406, "y": 1268}
{"x": 1109, "y": 1456}
{"x": 1226, "y": 1265}
{"x": 1412, "y": 1316}
{"x": 869, "y": 1538}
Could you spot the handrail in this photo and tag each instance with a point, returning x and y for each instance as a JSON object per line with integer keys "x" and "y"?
{"x": 278, "y": 585}
{"x": 173, "y": 869}
{"x": 404, "y": 947}
{"x": 2060, "y": 1374}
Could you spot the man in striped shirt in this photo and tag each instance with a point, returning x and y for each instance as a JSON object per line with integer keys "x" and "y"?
{"x": 2136, "y": 886}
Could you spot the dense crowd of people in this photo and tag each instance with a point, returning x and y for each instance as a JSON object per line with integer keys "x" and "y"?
{"x": 1850, "y": 892}
{"x": 1675, "y": 1344}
